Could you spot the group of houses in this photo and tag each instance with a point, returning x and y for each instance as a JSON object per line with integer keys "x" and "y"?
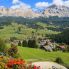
{"x": 49, "y": 45}
{"x": 46, "y": 44}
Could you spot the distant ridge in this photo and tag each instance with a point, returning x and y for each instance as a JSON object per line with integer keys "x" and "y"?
{"x": 53, "y": 10}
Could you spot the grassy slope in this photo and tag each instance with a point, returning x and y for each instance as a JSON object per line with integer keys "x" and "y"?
{"x": 40, "y": 55}
{"x": 11, "y": 31}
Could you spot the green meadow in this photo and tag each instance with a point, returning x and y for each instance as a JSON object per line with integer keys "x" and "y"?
{"x": 30, "y": 54}
{"x": 25, "y": 32}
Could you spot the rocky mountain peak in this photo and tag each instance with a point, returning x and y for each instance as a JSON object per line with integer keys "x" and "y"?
{"x": 57, "y": 10}
{"x": 53, "y": 10}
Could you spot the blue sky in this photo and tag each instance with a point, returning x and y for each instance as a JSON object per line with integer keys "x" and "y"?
{"x": 32, "y": 3}
{"x": 8, "y": 3}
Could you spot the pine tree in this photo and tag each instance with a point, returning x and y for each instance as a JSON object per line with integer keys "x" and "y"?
{"x": 24, "y": 43}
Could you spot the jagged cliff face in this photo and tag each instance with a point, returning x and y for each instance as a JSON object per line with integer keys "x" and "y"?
{"x": 3, "y": 11}
{"x": 18, "y": 12}
{"x": 53, "y": 10}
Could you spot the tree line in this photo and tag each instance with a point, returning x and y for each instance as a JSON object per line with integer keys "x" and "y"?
{"x": 31, "y": 43}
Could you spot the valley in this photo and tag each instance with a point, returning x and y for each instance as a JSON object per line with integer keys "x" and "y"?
{"x": 27, "y": 38}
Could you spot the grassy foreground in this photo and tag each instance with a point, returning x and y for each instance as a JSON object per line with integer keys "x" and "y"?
{"x": 30, "y": 54}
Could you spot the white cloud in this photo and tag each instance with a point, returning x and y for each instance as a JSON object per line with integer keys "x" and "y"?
{"x": 15, "y": 6}
{"x": 61, "y": 2}
{"x": 42, "y": 4}
{"x": 23, "y": 5}
{"x": 66, "y": 3}
{"x": 19, "y": 4}
{"x": 58, "y": 2}
{"x": 15, "y": 1}
{"x": 2, "y": 6}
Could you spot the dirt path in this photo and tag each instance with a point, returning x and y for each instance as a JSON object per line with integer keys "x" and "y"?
{"x": 48, "y": 65}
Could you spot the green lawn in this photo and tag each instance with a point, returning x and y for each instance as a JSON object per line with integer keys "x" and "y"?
{"x": 41, "y": 55}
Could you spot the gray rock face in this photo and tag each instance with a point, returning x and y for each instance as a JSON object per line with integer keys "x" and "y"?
{"x": 18, "y": 12}
{"x": 55, "y": 10}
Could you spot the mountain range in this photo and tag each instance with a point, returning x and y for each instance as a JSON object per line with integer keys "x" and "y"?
{"x": 53, "y": 10}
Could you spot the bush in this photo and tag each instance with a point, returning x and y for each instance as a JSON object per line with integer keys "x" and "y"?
{"x": 20, "y": 64}
{"x": 15, "y": 63}
{"x": 13, "y": 38}
{"x": 59, "y": 60}
{"x": 24, "y": 43}
{"x": 2, "y": 65}
{"x": 2, "y": 45}
{"x": 67, "y": 48}
{"x": 12, "y": 51}
{"x": 19, "y": 43}
{"x": 32, "y": 44}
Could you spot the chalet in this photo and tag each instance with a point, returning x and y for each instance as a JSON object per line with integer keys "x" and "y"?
{"x": 46, "y": 45}
{"x": 62, "y": 48}
{"x": 47, "y": 48}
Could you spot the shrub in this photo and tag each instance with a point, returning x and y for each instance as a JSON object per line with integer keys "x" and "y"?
{"x": 13, "y": 38}
{"x": 19, "y": 43}
{"x": 15, "y": 63}
{"x": 67, "y": 48}
{"x": 59, "y": 60}
{"x": 20, "y": 64}
{"x": 15, "y": 66}
{"x": 12, "y": 51}
{"x": 24, "y": 43}
{"x": 32, "y": 44}
{"x": 1, "y": 27}
{"x": 2, "y": 45}
{"x": 2, "y": 65}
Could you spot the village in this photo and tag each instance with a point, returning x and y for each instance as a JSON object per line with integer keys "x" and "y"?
{"x": 43, "y": 43}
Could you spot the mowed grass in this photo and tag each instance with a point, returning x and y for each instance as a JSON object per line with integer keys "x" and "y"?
{"x": 41, "y": 55}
